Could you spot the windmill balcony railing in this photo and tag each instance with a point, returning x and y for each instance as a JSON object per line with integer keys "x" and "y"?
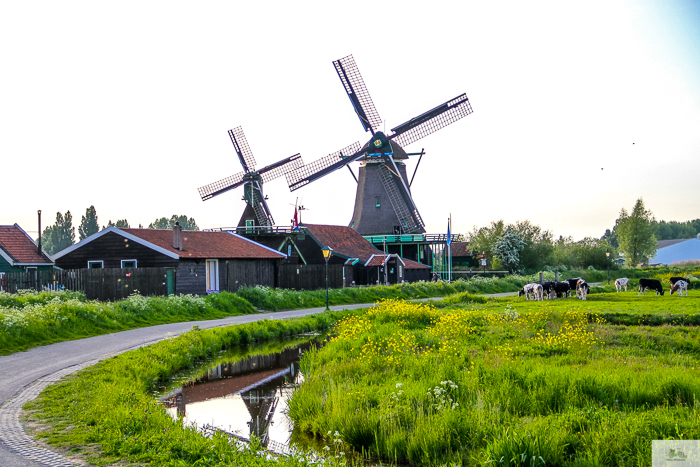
{"x": 258, "y": 229}
{"x": 416, "y": 238}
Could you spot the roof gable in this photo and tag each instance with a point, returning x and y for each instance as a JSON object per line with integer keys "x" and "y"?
{"x": 665, "y": 243}
{"x": 344, "y": 240}
{"x": 117, "y": 231}
{"x": 19, "y": 249}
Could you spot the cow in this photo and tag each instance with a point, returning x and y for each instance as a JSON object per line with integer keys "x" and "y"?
{"x": 676, "y": 279}
{"x": 572, "y": 284}
{"x": 582, "y": 289}
{"x": 620, "y": 283}
{"x": 548, "y": 289}
{"x": 680, "y": 287}
{"x": 653, "y": 284}
{"x": 531, "y": 289}
{"x": 562, "y": 289}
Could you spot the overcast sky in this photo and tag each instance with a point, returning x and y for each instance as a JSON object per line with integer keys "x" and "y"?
{"x": 580, "y": 108}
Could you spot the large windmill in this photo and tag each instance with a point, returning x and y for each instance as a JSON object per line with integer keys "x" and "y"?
{"x": 382, "y": 173}
{"x": 256, "y": 212}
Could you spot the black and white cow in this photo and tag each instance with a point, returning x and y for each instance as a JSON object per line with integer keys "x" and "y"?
{"x": 676, "y": 279}
{"x": 533, "y": 289}
{"x": 680, "y": 287}
{"x": 620, "y": 283}
{"x": 653, "y": 284}
{"x": 548, "y": 289}
{"x": 562, "y": 289}
{"x": 572, "y": 284}
{"x": 582, "y": 289}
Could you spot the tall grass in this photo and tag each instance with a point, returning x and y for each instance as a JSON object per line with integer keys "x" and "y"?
{"x": 109, "y": 408}
{"x": 29, "y": 319}
{"x": 285, "y": 299}
{"x": 506, "y": 382}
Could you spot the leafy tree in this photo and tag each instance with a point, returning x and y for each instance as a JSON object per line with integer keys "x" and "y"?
{"x": 591, "y": 252}
{"x": 187, "y": 223}
{"x": 59, "y": 236}
{"x": 88, "y": 223}
{"x": 508, "y": 248}
{"x": 538, "y": 245}
{"x": 636, "y": 234}
{"x": 481, "y": 240}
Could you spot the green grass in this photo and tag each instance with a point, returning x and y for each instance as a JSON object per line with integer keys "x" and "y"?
{"x": 507, "y": 381}
{"x": 31, "y": 319}
{"x": 285, "y": 299}
{"x": 110, "y": 410}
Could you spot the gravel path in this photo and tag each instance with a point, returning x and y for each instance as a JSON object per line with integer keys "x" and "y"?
{"x": 24, "y": 375}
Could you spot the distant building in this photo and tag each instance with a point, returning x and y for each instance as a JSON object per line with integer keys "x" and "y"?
{"x": 20, "y": 253}
{"x": 672, "y": 251}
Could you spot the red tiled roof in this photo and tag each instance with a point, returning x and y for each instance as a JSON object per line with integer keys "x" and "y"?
{"x": 20, "y": 246}
{"x": 198, "y": 244}
{"x": 461, "y": 249}
{"x": 344, "y": 241}
{"x": 350, "y": 244}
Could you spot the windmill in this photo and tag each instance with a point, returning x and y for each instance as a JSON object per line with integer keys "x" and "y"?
{"x": 382, "y": 173}
{"x": 256, "y": 212}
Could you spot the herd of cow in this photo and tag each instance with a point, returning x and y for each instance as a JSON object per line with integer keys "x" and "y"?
{"x": 552, "y": 289}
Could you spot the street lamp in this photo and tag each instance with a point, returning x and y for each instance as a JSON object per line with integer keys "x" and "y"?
{"x": 607, "y": 255}
{"x": 327, "y": 252}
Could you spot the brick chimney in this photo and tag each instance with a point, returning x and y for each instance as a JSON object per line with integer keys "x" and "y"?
{"x": 177, "y": 236}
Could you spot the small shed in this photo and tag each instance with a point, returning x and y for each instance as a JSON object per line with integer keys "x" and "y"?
{"x": 203, "y": 261}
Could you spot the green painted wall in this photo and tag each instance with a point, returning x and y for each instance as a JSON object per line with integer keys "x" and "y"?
{"x": 6, "y": 267}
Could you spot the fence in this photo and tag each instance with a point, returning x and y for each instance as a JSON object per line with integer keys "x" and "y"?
{"x": 311, "y": 276}
{"x": 96, "y": 284}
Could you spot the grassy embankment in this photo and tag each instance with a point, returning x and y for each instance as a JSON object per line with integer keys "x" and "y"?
{"x": 508, "y": 382}
{"x": 109, "y": 412}
{"x": 31, "y": 319}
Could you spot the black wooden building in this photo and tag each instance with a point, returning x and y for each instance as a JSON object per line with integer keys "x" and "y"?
{"x": 202, "y": 261}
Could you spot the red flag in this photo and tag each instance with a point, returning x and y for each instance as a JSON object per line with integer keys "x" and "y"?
{"x": 296, "y": 222}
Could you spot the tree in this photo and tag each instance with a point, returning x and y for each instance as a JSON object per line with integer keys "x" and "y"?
{"x": 121, "y": 224}
{"x": 538, "y": 246}
{"x": 187, "y": 223}
{"x": 59, "y": 236}
{"x": 508, "y": 248}
{"x": 481, "y": 240}
{"x": 636, "y": 234}
{"x": 88, "y": 223}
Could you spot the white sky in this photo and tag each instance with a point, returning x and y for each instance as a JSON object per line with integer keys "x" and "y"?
{"x": 126, "y": 106}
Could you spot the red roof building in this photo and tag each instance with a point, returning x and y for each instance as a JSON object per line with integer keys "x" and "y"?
{"x": 19, "y": 252}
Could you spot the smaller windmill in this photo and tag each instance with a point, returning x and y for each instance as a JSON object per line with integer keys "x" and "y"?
{"x": 251, "y": 179}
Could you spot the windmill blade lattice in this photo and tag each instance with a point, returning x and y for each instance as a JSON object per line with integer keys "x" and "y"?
{"x": 357, "y": 92}
{"x": 431, "y": 121}
{"x": 323, "y": 166}
{"x": 240, "y": 143}
{"x": 280, "y": 168}
{"x": 222, "y": 186}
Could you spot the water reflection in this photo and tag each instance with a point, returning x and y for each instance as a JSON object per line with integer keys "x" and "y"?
{"x": 247, "y": 397}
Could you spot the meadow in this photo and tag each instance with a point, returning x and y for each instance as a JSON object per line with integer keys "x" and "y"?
{"x": 29, "y": 319}
{"x": 507, "y": 382}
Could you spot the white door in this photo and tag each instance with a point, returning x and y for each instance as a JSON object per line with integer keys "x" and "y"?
{"x": 213, "y": 275}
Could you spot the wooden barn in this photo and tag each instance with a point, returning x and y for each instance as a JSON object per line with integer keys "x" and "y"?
{"x": 203, "y": 261}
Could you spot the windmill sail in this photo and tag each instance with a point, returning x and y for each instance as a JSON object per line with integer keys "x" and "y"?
{"x": 431, "y": 121}
{"x": 240, "y": 144}
{"x": 321, "y": 167}
{"x": 222, "y": 186}
{"x": 355, "y": 87}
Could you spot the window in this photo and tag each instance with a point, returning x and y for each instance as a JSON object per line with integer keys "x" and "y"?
{"x": 212, "y": 275}
{"x": 32, "y": 270}
{"x": 378, "y": 201}
{"x": 96, "y": 264}
{"x": 128, "y": 264}
{"x": 249, "y": 224}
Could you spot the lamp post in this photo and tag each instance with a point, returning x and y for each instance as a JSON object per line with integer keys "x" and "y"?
{"x": 607, "y": 255}
{"x": 327, "y": 252}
